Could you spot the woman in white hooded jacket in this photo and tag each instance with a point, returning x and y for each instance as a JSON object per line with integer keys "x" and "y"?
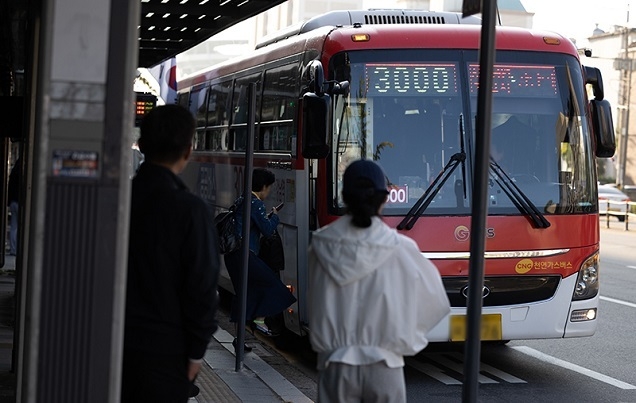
{"x": 373, "y": 297}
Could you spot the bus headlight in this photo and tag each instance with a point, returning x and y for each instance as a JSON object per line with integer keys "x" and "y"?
{"x": 587, "y": 280}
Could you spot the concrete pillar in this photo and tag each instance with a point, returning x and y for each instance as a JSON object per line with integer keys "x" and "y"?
{"x": 78, "y": 226}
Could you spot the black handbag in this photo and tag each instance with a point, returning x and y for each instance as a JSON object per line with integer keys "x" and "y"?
{"x": 271, "y": 251}
{"x": 228, "y": 231}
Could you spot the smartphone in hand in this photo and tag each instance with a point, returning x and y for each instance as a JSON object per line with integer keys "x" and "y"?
{"x": 280, "y": 206}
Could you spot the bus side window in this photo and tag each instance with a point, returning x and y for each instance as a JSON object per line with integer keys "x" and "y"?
{"x": 198, "y": 105}
{"x": 198, "y": 108}
{"x": 238, "y": 128}
{"x": 217, "y": 139}
{"x": 280, "y": 99}
{"x": 183, "y": 99}
{"x": 219, "y": 106}
{"x": 198, "y": 142}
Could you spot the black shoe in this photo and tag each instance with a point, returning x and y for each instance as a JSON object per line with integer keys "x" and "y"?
{"x": 275, "y": 324}
{"x": 194, "y": 390}
{"x": 246, "y": 348}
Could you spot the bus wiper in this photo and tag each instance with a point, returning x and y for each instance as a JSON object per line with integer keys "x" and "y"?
{"x": 516, "y": 195}
{"x": 431, "y": 191}
{"x": 460, "y": 188}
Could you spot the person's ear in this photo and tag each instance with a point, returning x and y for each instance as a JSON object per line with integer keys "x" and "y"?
{"x": 188, "y": 153}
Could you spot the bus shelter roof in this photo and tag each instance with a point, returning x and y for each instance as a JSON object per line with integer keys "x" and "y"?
{"x": 169, "y": 27}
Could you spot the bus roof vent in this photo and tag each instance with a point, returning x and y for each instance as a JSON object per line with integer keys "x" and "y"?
{"x": 341, "y": 18}
{"x": 404, "y": 19}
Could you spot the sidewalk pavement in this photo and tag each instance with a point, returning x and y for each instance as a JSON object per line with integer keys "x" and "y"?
{"x": 218, "y": 381}
{"x": 256, "y": 382}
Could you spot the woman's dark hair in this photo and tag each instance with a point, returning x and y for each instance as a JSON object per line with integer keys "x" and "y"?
{"x": 364, "y": 203}
{"x": 262, "y": 177}
{"x": 166, "y": 133}
{"x": 364, "y": 190}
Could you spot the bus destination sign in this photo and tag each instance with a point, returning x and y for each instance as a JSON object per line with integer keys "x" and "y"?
{"x": 518, "y": 80}
{"x": 395, "y": 79}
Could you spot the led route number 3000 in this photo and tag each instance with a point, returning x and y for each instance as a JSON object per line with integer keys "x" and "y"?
{"x": 411, "y": 79}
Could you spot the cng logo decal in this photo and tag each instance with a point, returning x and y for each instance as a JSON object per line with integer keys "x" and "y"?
{"x": 523, "y": 266}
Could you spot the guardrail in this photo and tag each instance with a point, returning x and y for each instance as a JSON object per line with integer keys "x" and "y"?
{"x": 621, "y": 210}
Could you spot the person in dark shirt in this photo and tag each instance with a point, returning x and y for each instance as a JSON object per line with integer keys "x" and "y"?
{"x": 173, "y": 267}
{"x": 13, "y": 195}
{"x": 513, "y": 145}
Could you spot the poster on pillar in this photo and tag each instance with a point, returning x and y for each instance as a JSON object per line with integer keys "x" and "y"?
{"x": 75, "y": 163}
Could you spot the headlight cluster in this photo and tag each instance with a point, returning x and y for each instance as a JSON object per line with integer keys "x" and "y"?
{"x": 587, "y": 280}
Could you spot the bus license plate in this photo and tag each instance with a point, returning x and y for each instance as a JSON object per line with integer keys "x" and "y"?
{"x": 490, "y": 327}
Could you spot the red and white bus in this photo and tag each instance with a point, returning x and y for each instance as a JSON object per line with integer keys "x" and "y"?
{"x": 400, "y": 87}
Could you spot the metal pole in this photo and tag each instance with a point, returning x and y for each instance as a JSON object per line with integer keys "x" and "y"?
{"x": 626, "y": 89}
{"x": 247, "y": 210}
{"x": 480, "y": 202}
{"x": 625, "y": 137}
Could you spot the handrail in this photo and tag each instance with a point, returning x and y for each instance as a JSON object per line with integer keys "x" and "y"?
{"x": 619, "y": 212}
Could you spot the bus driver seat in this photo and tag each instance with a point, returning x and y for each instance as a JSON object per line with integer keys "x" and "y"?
{"x": 386, "y": 132}
{"x": 513, "y": 146}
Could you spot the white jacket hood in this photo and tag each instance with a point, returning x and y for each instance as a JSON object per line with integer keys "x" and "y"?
{"x": 348, "y": 253}
{"x": 373, "y": 296}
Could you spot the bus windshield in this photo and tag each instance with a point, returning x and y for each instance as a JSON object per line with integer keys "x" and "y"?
{"x": 413, "y": 110}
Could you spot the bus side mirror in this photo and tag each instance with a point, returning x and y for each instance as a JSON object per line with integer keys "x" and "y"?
{"x": 603, "y": 128}
{"x": 316, "y": 111}
{"x": 595, "y": 79}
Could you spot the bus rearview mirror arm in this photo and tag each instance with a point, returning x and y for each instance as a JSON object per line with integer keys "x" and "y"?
{"x": 336, "y": 88}
{"x": 317, "y": 77}
{"x": 319, "y": 86}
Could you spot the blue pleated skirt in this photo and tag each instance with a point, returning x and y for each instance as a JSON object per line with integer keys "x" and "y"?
{"x": 266, "y": 294}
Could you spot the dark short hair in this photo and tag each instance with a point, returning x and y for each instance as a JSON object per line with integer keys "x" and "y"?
{"x": 262, "y": 177}
{"x": 364, "y": 191}
{"x": 166, "y": 133}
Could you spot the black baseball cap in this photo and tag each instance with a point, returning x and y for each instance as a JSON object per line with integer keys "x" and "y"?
{"x": 364, "y": 169}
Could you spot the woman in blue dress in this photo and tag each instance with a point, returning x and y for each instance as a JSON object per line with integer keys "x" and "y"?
{"x": 266, "y": 294}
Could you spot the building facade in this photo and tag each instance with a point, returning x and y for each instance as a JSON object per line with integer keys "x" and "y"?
{"x": 613, "y": 53}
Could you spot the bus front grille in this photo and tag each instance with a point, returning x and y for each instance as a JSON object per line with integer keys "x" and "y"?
{"x": 503, "y": 290}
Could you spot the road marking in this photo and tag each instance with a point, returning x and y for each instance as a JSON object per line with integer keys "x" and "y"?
{"x": 631, "y": 267}
{"x": 457, "y": 366}
{"x": 494, "y": 371}
{"x": 618, "y": 301}
{"x": 432, "y": 371}
{"x": 573, "y": 367}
